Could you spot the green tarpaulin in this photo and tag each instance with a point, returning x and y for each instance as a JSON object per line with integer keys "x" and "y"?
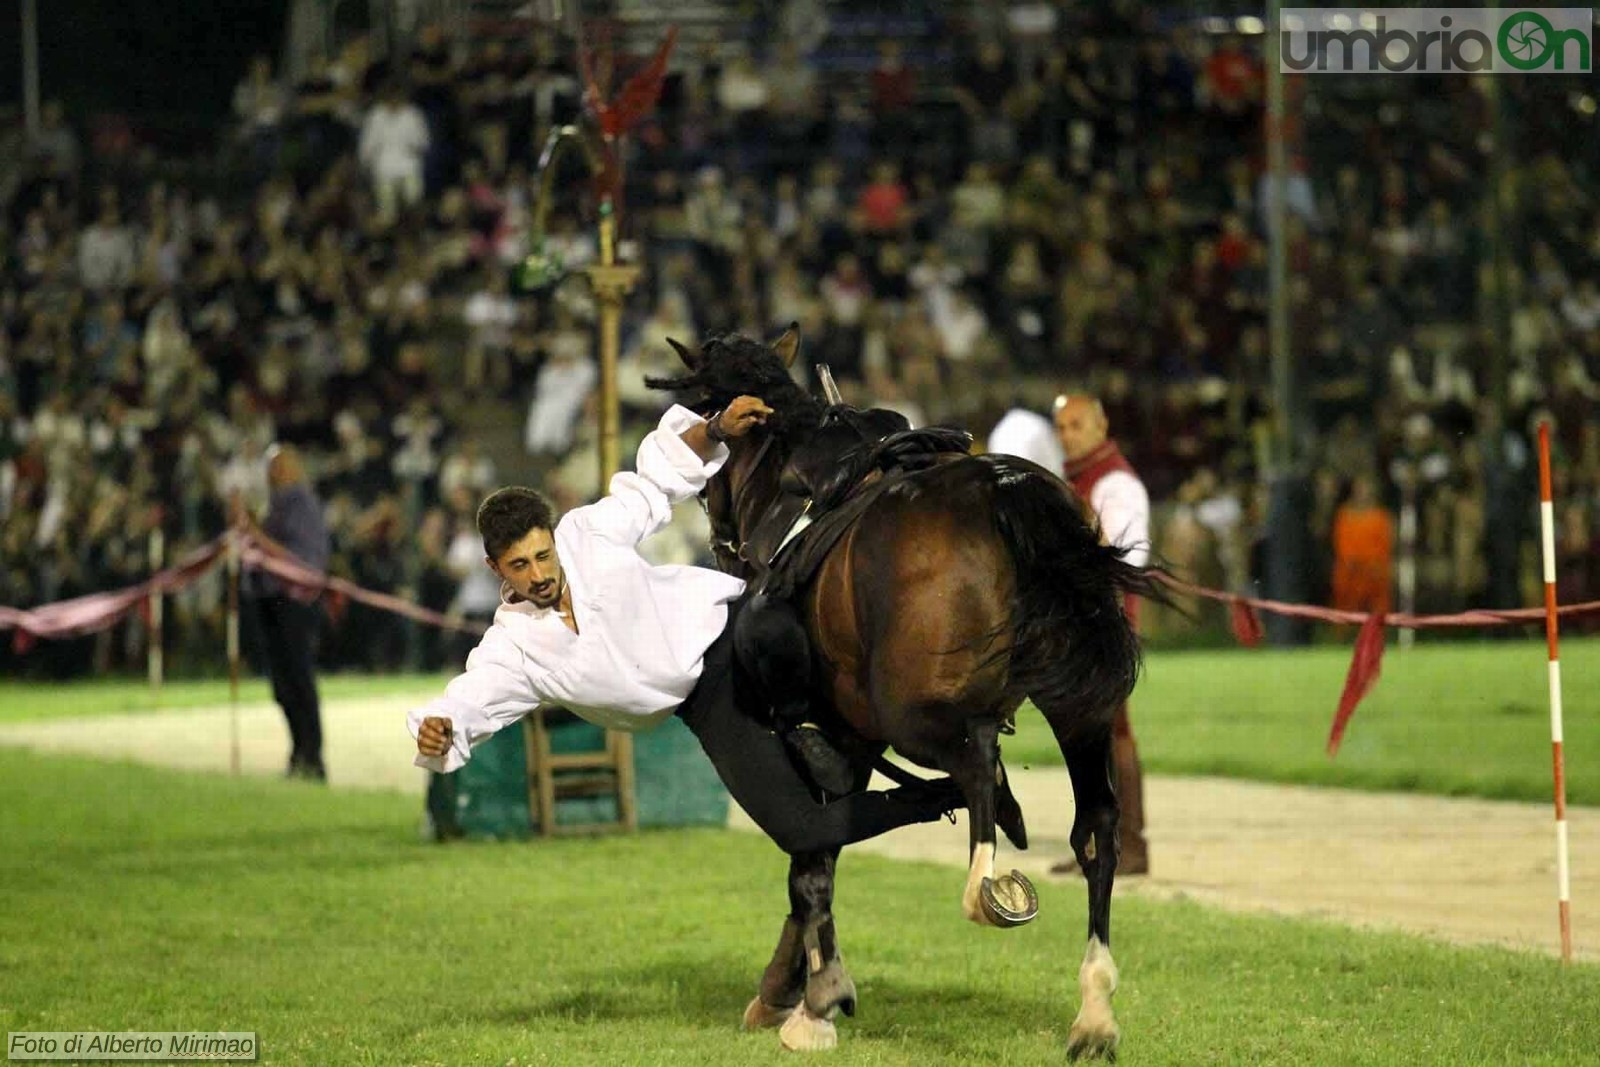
{"x": 674, "y": 783}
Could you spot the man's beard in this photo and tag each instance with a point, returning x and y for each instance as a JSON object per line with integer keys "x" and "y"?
{"x": 548, "y": 595}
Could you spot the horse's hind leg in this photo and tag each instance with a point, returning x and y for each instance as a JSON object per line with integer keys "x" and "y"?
{"x": 1094, "y": 1032}
{"x": 1009, "y": 900}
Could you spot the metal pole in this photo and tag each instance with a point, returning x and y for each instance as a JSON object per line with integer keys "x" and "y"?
{"x": 610, "y": 343}
{"x": 1499, "y": 190}
{"x": 233, "y": 652}
{"x": 1278, "y": 250}
{"x": 1288, "y": 549}
{"x": 413, "y": 573}
{"x": 158, "y": 550}
{"x": 1406, "y": 566}
{"x": 30, "y": 67}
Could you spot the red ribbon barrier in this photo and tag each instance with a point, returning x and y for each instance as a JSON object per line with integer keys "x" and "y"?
{"x": 301, "y": 577}
{"x": 98, "y": 611}
{"x": 94, "y": 612}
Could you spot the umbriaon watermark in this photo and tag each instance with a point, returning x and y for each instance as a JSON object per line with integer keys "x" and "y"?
{"x": 1435, "y": 40}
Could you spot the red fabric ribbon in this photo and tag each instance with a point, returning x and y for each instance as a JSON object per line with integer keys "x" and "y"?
{"x": 98, "y": 611}
{"x": 301, "y": 577}
{"x": 1365, "y": 666}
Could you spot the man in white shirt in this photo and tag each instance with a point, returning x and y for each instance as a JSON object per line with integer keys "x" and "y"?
{"x": 1106, "y": 481}
{"x": 585, "y": 622}
{"x": 1027, "y": 435}
{"x": 394, "y": 138}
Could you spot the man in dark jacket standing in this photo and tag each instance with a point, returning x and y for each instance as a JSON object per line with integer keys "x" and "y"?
{"x": 294, "y": 529}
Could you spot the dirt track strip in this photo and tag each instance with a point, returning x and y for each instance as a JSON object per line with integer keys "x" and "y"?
{"x": 1461, "y": 870}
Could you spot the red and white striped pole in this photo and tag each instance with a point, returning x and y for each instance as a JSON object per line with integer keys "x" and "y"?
{"x": 1552, "y": 633}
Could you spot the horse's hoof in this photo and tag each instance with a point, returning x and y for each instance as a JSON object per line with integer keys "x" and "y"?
{"x": 1009, "y": 900}
{"x": 759, "y": 1015}
{"x": 1094, "y": 1042}
{"x": 805, "y": 1032}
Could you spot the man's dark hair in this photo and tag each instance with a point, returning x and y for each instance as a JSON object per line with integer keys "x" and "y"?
{"x": 508, "y": 515}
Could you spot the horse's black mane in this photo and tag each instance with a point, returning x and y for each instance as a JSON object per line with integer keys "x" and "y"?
{"x": 732, "y": 365}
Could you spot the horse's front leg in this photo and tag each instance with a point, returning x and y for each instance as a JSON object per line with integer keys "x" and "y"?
{"x": 1094, "y": 1032}
{"x": 1010, "y": 899}
{"x": 784, "y": 981}
{"x": 806, "y": 985}
{"x": 829, "y": 989}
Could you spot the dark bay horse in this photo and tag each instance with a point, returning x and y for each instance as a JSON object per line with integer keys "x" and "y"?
{"x": 962, "y": 590}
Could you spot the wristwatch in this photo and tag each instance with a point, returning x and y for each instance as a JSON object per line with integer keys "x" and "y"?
{"x": 714, "y": 429}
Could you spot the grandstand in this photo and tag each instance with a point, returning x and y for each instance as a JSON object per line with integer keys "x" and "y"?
{"x": 966, "y": 206}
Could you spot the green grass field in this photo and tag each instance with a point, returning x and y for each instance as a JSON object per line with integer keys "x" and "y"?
{"x": 140, "y": 899}
{"x": 1467, "y": 719}
{"x": 1456, "y": 719}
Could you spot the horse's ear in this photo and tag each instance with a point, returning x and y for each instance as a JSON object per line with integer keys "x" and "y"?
{"x": 788, "y": 346}
{"x": 691, "y": 359}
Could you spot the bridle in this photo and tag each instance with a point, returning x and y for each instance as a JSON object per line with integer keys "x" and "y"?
{"x": 724, "y": 540}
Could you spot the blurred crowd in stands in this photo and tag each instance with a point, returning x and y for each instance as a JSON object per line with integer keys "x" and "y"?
{"x": 958, "y": 232}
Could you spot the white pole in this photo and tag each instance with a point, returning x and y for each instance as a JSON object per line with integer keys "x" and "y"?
{"x": 1552, "y": 633}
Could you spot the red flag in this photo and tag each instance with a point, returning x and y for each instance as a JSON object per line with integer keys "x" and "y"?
{"x": 336, "y": 603}
{"x": 1246, "y": 623}
{"x": 640, "y": 94}
{"x": 1365, "y": 666}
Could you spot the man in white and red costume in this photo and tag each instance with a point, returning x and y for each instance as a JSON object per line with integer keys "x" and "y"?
{"x": 1107, "y": 482}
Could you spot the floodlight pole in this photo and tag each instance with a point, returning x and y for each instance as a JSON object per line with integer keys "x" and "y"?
{"x": 30, "y": 67}
{"x": 1278, "y": 252}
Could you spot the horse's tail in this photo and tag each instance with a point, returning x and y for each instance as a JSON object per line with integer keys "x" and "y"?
{"x": 1072, "y": 646}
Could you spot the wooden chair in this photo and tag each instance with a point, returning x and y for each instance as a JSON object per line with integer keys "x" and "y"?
{"x": 556, "y": 776}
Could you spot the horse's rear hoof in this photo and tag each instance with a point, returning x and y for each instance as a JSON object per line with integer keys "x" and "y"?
{"x": 758, "y": 1015}
{"x": 1009, "y": 900}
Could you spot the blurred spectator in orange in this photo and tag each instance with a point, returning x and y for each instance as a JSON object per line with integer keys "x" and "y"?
{"x": 1363, "y": 550}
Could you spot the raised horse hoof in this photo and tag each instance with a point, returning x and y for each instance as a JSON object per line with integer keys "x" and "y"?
{"x": 1093, "y": 1042}
{"x": 758, "y": 1015}
{"x": 804, "y": 1032}
{"x": 1009, "y": 900}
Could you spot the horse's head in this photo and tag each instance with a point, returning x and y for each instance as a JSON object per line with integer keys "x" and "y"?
{"x": 723, "y": 368}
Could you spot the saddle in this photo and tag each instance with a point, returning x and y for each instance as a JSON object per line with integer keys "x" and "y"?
{"x": 830, "y": 481}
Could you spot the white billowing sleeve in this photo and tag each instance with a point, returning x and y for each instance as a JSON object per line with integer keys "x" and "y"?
{"x": 667, "y": 472}
{"x": 494, "y": 691}
{"x": 1123, "y": 506}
